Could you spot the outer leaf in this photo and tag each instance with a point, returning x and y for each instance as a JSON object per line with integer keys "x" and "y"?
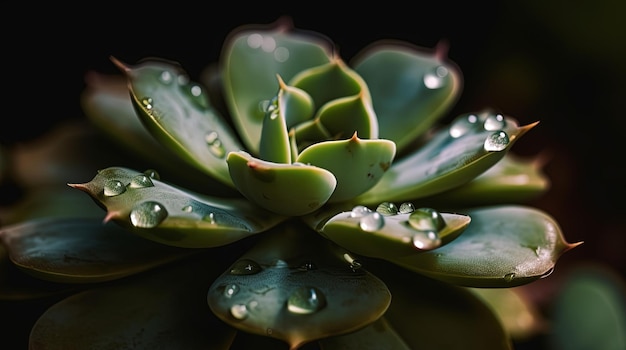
{"x": 82, "y": 250}
{"x": 179, "y": 115}
{"x": 512, "y": 180}
{"x": 376, "y": 336}
{"x": 297, "y": 287}
{"x": 451, "y": 158}
{"x": 251, "y": 58}
{"x": 429, "y": 314}
{"x": 163, "y": 213}
{"x": 395, "y": 237}
{"x": 164, "y": 309}
{"x": 357, "y": 164}
{"x": 411, "y": 88}
{"x": 503, "y": 247}
{"x": 271, "y": 185}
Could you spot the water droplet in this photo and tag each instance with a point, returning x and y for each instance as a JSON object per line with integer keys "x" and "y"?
{"x": 114, "y": 188}
{"x": 153, "y": 174}
{"x": 435, "y": 79}
{"x": 147, "y": 103}
{"x": 231, "y": 290}
{"x": 354, "y": 264}
{"x": 307, "y": 266}
{"x": 166, "y": 77}
{"x": 387, "y": 208}
{"x": 269, "y": 44}
{"x": 462, "y": 125}
{"x": 187, "y": 209}
{"x": 141, "y": 181}
{"x": 281, "y": 54}
{"x": 426, "y": 240}
{"x": 245, "y": 267}
{"x": 215, "y": 145}
{"x": 182, "y": 79}
{"x": 426, "y": 219}
{"x": 255, "y": 40}
{"x": 497, "y": 141}
{"x": 406, "y": 208}
{"x": 494, "y": 122}
{"x": 148, "y": 214}
{"x": 306, "y": 300}
{"x": 196, "y": 90}
{"x": 359, "y": 211}
{"x": 509, "y": 277}
{"x": 210, "y": 217}
{"x": 371, "y": 222}
{"x": 239, "y": 311}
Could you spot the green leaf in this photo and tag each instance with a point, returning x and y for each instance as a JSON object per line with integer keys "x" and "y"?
{"x": 251, "y": 58}
{"x": 589, "y": 311}
{"x": 504, "y": 246}
{"x": 163, "y": 309}
{"x": 357, "y": 164}
{"x": 429, "y": 314}
{"x": 82, "y": 250}
{"x": 373, "y": 234}
{"x": 166, "y": 214}
{"x": 275, "y": 145}
{"x": 298, "y": 287}
{"x": 411, "y": 87}
{"x": 272, "y": 185}
{"x": 455, "y": 155}
{"x": 513, "y": 179}
{"x": 177, "y": 112}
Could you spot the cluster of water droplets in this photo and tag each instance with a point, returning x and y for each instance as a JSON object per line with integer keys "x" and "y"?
{"x": 268, "y": 44}
{"x": 426, "y": 222}
{"x": 215, "y": 144}
{"x": 498, "y": 140}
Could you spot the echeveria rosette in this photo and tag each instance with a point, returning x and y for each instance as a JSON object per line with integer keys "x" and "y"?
{"x": 306, "y": 194}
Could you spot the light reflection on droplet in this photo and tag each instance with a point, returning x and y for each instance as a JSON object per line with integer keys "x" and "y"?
{"x": 509, "y": 277}
{"x": 255, "y": 40}
{"x": 148, "y": 214}
{"x": 210, "y": 218}
{"x": 187, "y": 209}
{"x": 306, "y": 300}
{"x": 245, "y": 267}
{"x": 435, "y": 80}
{"x": 153, "y": 174}
{"x": 359, "y": 211}
{"x": 281, "y": 54}
{"x": 426, "y": 240}
{"x": 196, "y": 90}
{"x": 494, "y": 122}
{"x": 166, "y": 77}
{"x": 140, "y": 181}
{"x": 231, "y": 290}
{"x": 462, "y": 125}
{"x": 371, "y": 222}
{"x": 239, "y": 311}
{"x": 426, "y": 219}
{"x": 114, "y": 188}
{"x": 147, "y": 103}
{"x": 497, "y": 141}
{"x": 387, "y": 208}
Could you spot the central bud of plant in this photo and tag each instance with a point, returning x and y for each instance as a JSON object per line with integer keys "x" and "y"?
{"x": 318, "y": 143}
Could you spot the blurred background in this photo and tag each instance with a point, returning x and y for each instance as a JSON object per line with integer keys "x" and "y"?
{"x": 560, "y": 63}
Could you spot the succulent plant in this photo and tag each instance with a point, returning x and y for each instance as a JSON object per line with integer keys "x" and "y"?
{"x": 311, "y": 203}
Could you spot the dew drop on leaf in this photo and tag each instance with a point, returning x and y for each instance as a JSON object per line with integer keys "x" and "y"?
{"x": 497, "y": 141}
{"x": 306, "y": 300}
{"x": 148, "y": 214}
{"x": 245, "y": 267}
{"x": 147, "y": 103}
{"x": 426, "y": 240}
{"x": 141, "y": 181}
{"x": 509, "y": 277}
{"x": 435, "y": 79}
{"x": 187, "y": 209}
{"x": 114, "y": 188}
{"x": 494, "y": 122}
{"x": 231, "y": 290}
{"x": 359, "y": 211}
{"x": 307, "y": 266}
{"x": 210, "y": 217}
{"x": 372, "y": 221}
{"x": 462, "y": 125}
{"x": 153, "y": 174}
{"x": 387, "y": 208}
{"x": 406, "y": 208}
{"x": 165, "y": 77}
{"x": 239, "y": 311}
{"x": 215, "y": 144}
{"x": 426, "y": 219}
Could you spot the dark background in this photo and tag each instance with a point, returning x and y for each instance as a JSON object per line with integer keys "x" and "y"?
{"x": 562, "y": 63}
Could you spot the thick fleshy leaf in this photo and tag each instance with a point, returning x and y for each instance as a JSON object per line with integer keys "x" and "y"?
{"x": 429, "y": 314}
{"x": 298, "y": 287}
{"x": 518, "y": 315}
{"x": 513, "y": 179}
{"x": 177, "y": 112}
{"x": 376, "y": 336}
{"x": 107, "y": 103}
{"x": 272, "y": 185}
{"x": 357, "y": 164}
{"x": 589, "y": 312}
{"x": 504, "y": 246}
{"x": 170, "y": 215}
{"x": 411, "y": 87}
{"x": 371, "y": 233}
{"x": 164, "y": 309}
{"x": 251, "y": 58}
{"x": 455, "y": 155}
{"x": 275, "y": 144}
{"x": 79, "y": 250}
